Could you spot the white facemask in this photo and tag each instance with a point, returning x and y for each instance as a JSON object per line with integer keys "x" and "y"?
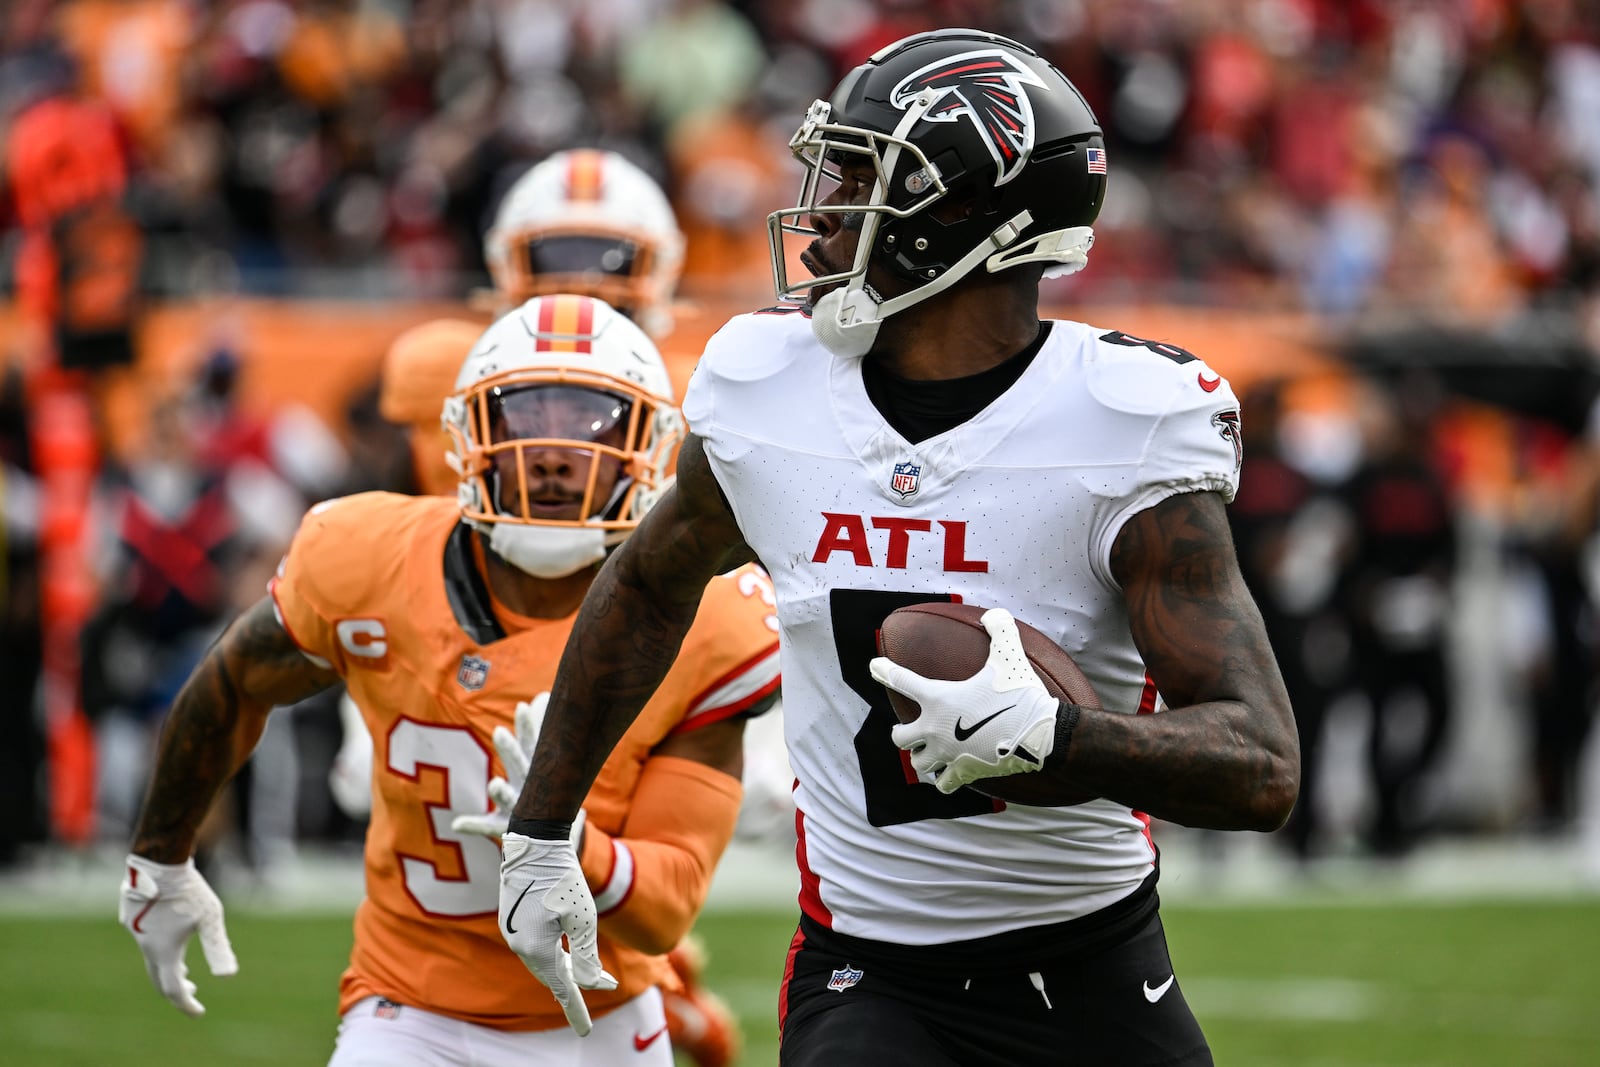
{"x": 547, "y": 551}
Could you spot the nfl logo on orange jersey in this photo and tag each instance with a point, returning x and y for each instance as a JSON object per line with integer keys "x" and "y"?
{"x": 904, "y": 479}
{"x": 473, "y": 673}
{"x": 844, "y": 978}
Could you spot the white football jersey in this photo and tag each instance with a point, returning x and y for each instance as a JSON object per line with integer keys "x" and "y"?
{"x": 1015, "y": 508}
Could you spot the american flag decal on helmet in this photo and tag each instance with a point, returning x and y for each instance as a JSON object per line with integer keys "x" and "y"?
{"x": 986, "y": 88}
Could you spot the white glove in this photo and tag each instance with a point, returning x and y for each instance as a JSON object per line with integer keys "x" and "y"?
{"x": 350, "y": 777}
{"x": 543, "y": 896}
{"x": 162, "y": 905}
{"x": 516, "y": 754}
{"x": 1000, "y": 721}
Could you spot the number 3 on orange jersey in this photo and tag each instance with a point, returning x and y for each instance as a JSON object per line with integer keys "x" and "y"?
{"x": 463, "y": 764}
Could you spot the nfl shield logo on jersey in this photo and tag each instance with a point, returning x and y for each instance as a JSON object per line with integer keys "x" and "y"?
{"x": 844, "y": 978}
{"x": 904, "y": 479}
{"x": 473, "y": 673}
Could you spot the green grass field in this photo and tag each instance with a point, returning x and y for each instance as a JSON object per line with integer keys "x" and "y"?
{"x": 1454, "y": 985}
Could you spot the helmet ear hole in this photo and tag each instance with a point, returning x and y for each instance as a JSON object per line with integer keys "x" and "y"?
{"x": 959, "y": 206}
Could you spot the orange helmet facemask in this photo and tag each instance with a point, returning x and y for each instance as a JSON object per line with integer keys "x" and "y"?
{"x": 562, "y": 430}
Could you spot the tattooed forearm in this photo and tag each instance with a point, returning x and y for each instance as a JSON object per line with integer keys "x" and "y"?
{"x": 1225, "y": 755}
{"x": 621, "y": 647}
{"x": 214, "y": 724}
{"x": 627, "y": 634}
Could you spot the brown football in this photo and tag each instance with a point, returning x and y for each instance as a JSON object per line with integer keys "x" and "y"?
{"x": 942, "y": 640}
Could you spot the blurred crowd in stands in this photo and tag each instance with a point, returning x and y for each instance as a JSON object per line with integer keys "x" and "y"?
{"x": 1418, "y": 177}
{"x": 1427, "y": 154}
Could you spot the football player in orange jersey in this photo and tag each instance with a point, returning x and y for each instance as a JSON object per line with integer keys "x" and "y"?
{"x": 584, "y": 221}
{"x": 446, "y": 620}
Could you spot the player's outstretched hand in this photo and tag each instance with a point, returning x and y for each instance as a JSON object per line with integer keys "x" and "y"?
{"x": 1000, "y": 721}
{"x": 162, "y": 905}
{"x": 543, "y": 896}
{"x": 516, "y": 751}
{"x": 516, "y": 754}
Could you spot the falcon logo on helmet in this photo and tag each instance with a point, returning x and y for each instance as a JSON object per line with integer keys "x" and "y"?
{"x": 958, "y": 116}
{"x": 986, "y": 88}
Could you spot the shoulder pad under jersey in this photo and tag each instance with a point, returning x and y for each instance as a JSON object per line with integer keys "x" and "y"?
{"x": 1144, "y": 377}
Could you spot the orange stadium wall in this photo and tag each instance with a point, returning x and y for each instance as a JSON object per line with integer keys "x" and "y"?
{"x": 321, "y": 353}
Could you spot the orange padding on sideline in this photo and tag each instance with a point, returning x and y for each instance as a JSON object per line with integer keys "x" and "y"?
{"x": 678, "y": 826}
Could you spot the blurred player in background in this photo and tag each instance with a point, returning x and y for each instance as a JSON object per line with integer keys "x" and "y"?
{"x": 446, "y": 619}
{"x": 583, "y": 221}
{"x": 590, "y": 222}
{"x": 419, "y": 371}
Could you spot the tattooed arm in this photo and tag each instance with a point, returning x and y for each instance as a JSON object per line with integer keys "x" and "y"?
{"x": 215, "y": 723}
{"x": 1225, "y": 754}
{"x": 628, "y": 632}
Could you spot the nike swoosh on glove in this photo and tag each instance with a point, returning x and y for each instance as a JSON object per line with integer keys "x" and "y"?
{"x": 542, "y": 896}
{"x": 162, "y": 904}
{"x": 1000, "y": 721}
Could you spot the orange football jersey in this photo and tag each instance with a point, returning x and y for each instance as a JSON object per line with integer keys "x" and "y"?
{"x": 384, "y": 589}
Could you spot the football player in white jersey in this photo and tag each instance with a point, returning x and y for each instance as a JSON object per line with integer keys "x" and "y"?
{"x": 912, "y": 433}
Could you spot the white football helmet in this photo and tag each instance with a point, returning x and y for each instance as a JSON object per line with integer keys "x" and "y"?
{"x": 589, "y": 221}
{"x": 562, "y": 430}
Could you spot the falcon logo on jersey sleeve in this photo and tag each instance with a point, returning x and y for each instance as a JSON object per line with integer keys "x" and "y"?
{"x": 903, "y": 480}
{"x": 473, "y": 672}
{"x": 985, "y": 88}
{"x": 1227, "y": 424}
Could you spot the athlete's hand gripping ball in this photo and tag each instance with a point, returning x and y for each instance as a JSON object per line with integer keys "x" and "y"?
{"x": 1000, "y": 721}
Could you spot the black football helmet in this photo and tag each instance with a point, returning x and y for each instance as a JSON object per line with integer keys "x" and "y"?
{"x": 952, "y": 113}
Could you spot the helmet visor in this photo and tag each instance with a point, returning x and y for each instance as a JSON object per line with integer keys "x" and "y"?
{"x": 615, "y": 266}
{"x": 558, "y": 412}
{"x": 558, "y": 453}
{"x": 574, "y": 254}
